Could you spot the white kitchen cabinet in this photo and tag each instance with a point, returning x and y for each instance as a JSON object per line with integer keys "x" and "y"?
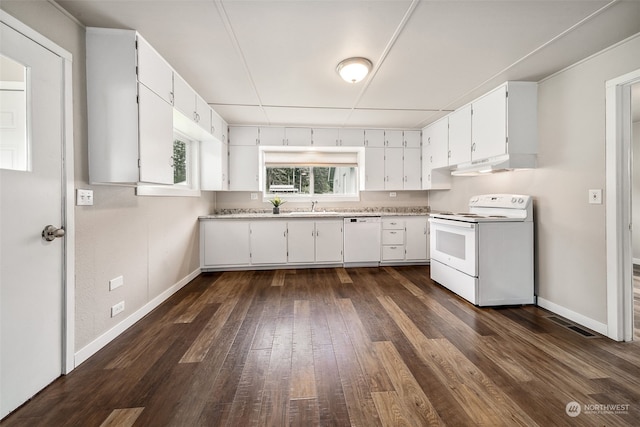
{"x": 314, "y": 241}
{"x": 436, "y": 136}
{"x": 417, "y": 238}
{"x": 243, "y": 168}
{"x": 412, "y": 168}
{"x": 224, "y": 243}
{"x": 272, "y": 136}
{"x": 405, "y": 239}
{"x": 224, "y": 158}
{"x": 393, "y": 138}
{"x": 302, "y": 241}
{"x": 460, "y": 136}
{"x": 433, "y": 179}
{"x": 329, "y": 241}
{"x": 130, "y": 128}
{"x": 243, "y": 135}
{"x": 374, "y": 169}
{"x": 298, "y": 136}
{"x": 325, "y": 137}
{"x": 216, "y": 126}
{"x": 268, "y": 242}
{"x": 352, "y": 137}
{"x": 504, "y": 121}
{"x": 153, "y": 71}
{"x": 412, "y": 138}
{"x": 190, "y": 104}
{"x": 393, "y": 168}
{"x": 374, "y": 138}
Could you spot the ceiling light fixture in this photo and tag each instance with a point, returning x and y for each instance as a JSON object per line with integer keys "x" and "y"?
{"x": 352, "y": 70}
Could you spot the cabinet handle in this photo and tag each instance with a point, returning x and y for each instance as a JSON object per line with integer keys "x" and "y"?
{"x": 173, "y": 162}
{"x": 393, "y": 247}
{"x": 473, "y": 147}
{"x": 393, "y": 232}
{"x": 449, "y": 154}
{"x": 171, "y": 97}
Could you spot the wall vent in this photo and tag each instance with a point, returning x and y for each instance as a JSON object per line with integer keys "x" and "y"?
{"x": 577, "y": 329}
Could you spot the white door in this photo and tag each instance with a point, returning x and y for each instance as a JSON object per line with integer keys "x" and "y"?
{"x": 412, "y": 165}
{"x": 243, "y": 168}
{"x": 374, "y": 169}
{"x": 329, "y": 241}
{"x": 417, "y": 238}
{"x": 268, "y": 242}
{"x": 460, "y": 136}
{"x": 393, "y": 168}
{"x": 489, "y": 125}
{"x": 31, "y": 270}
{"x": 301, "y": 241}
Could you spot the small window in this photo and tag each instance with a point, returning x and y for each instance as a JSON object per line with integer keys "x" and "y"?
{"x": 180, "y": 162}
{"x": 305, "y": 174}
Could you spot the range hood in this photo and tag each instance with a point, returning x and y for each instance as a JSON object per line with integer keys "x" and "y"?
{"x": 502, "y": 163}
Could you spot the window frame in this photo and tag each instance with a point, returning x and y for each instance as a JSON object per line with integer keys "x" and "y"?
{"x": 305, "y": 151}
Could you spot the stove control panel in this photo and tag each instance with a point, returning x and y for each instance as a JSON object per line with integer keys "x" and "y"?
{"x": 506, "y": 201}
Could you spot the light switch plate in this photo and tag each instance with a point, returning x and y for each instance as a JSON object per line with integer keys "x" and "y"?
{"x": 595, "y": 197}
{"x": 254, "y": 196}
{"x": 392, "y": 194}
{"x": 116, "y": 283}
{"x": 84, "y": 197}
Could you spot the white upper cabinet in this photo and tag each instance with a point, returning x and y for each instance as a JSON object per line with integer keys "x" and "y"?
{"x": 352, "y": 137}
{"x": 412, "y": 138}
{"x": 505, "y": 121}
{"x": 216, "y": 127}
{"x": 324, "y": 137}
{"x": 243, "y": 135}
{"x": 297, "y": 136}
{"x": 190, "y": 104}
{"x": 272, "y": 136}
{"x": 203, "y": 114}
{"x": 374, "y": 138}
{"x": 153, "y": 71}
{"x": 436, "y": 136}
{"x": 393, "y": 138}
{"x": 243, "y": 168}
{"x": 393, "y": 169}
{"x": 412, "y": 169}
{"x": 130, "y": 128}
{"x": 374, "y": 169}
{"x": 460, "y": 136}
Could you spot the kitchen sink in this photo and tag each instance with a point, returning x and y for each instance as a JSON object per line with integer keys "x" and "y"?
{"x": 308, "y": 213}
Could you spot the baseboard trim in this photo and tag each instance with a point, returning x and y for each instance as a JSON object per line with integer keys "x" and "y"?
{"x": 578, "y": 318}
{"x": 104, "y": 339}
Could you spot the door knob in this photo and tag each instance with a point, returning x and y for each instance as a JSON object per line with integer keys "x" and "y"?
{"x": 51, "y": 232}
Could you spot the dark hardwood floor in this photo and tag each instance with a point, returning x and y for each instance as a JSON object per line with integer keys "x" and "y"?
{"x": 339, "y": 347}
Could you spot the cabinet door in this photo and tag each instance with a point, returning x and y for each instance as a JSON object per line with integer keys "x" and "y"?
{"x": 393, "y": 138}
{"x": 203, "y": 114}
{"x": 225, "y": 242}
{"x": 417, "y": 238}
{"x": 184, "y": 98}
{"x": 155, "y": 117}
{"x": 374, "y": 169}
{"x": 329, "y": 241}
{"x": 460, "y": 136}
{"x": 268, "y": 242}
{"x": 224, "y": 167}
{"x": 271, "y": 136}
{"x": 301, "y": 238}
{"x": 243, "y": 168}
{"x": 243, "y": 135}
{"x": 412, "y": 139}
{"x": 297, "y": 136}
{"x": 439, "y": 142}
{"x": 393, "y": 169}
{"x": 489, "y": 125}
{"x": 412, "y": 169}
{"x": 216, "y": 126}
{"x": 326, "y": 137}
{"x": 374, "y": 138}
{"x": 153, "y": 71}
{"x": 352, "y": 137}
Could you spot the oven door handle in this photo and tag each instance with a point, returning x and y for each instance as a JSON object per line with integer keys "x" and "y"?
{"x": 452, "y": 223}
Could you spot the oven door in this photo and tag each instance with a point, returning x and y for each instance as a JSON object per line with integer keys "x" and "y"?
{"x": 454, "y": 243}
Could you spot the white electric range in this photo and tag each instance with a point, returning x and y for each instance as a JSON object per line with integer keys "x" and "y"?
{"x": 486, "y": 255}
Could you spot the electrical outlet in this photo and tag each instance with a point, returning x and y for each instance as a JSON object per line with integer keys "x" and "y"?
{"x": 595, "y": 197}
{"x": 84, "y": 197}
{"x": 117, "y": 309}
{"x": 116, "y": 283}
{"x": 392, "y": 194}
{"x": 254, "y": 196}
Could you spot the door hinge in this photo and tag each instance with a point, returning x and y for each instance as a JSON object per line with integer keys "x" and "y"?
{"x": 137, "y": 74}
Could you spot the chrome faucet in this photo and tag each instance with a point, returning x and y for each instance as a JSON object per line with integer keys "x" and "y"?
{"x": 313, "y": 205}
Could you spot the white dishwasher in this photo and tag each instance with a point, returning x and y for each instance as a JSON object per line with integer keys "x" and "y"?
{"x": 362, "y": 241}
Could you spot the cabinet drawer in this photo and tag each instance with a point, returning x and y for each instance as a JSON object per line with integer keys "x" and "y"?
{"x": 392, "y": 224}
{"x": 393, "y": 253}
{"x": 393, "y": 237}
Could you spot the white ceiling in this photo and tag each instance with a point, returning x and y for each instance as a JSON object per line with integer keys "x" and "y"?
{"x": 273, "y": 62}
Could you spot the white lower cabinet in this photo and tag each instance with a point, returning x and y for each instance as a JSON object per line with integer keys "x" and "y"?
{"x": 405, "y": 239}
{"x": 314, "y": 241}
{"x": 224, "y": 243}
{"x": 268, "y": 242}
{"x": 329, "y": 241}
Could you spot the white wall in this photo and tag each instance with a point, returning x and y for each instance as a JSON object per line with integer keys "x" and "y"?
{"x": 151, "y": 241}
{"x": 570, "y": 233}
{"x": 635, "y": 188}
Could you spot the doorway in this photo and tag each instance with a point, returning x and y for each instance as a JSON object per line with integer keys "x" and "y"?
{"x": 619, "y": 216}
{"x": 36, "y": 194}
{"x": 635, "y": 205}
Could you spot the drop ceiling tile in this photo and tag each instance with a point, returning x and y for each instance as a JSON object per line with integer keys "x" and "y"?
{"x": 389, "y": 118}
{"x": 240, "y": 114}
{"x": 307, "y": 116}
